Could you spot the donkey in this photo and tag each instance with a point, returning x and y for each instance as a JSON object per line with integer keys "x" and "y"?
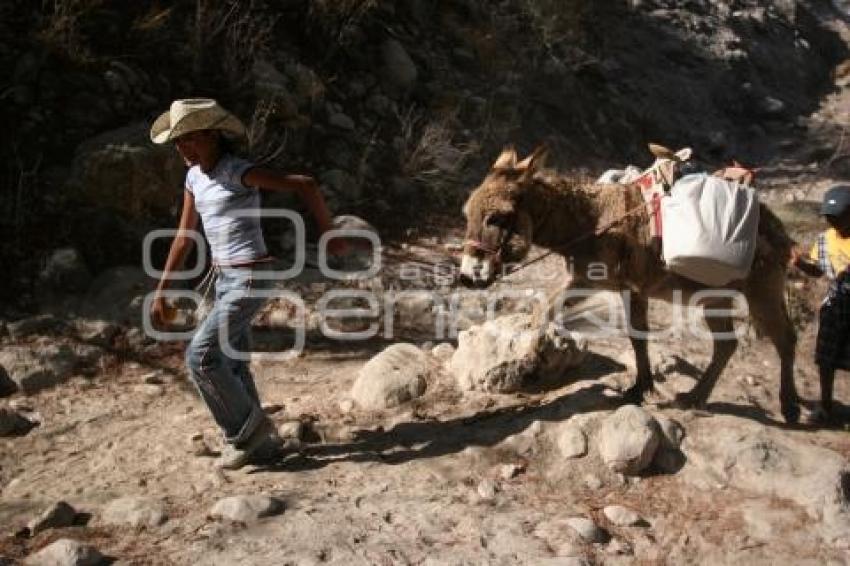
{"x": 519, "y": 204}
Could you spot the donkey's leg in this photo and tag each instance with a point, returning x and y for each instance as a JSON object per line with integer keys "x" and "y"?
{"x": 724, "y": 345}
{"x": 770, "y": 316}
{"x": 637, "y": 325}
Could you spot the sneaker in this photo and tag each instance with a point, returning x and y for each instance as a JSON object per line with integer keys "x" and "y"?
{"x": 257, "y": 448}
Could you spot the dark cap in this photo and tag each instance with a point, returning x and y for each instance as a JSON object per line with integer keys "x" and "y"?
{"x": 835, "y": 201}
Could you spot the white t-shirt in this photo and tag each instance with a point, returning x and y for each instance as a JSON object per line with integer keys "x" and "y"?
{"x": 229, "y": 210}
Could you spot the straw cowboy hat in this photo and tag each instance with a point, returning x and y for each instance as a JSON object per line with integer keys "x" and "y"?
{"x": 193, "y": 114}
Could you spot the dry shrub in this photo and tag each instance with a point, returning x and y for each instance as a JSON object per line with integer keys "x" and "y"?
{"x": 234, "y": 34}
{"x": 265, "y": 143}
{"x": 60, "y": 27}
{"x": 338, "y": 20}
{"x": 556, "y": 21}
{"x": 428, "y": 152}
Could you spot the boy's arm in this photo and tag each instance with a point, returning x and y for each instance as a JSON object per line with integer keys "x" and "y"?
{"x": 307, "y": 189}
{"x": 804, "y": 263}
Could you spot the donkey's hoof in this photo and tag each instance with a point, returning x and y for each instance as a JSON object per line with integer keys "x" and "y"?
{"x": 688, "y": 401}
{"x": 633, "y": 395}
{"x": 791, "y": 413}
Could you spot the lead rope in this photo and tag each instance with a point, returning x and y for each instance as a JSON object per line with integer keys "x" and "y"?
{"x": 595, "y": 233}
{"x": 207, "y": 283}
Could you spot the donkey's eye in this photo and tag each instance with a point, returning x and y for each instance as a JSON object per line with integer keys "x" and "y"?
{"x": 498, "y": 220}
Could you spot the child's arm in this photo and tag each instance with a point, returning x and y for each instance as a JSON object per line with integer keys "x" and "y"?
{"x": 306, "y": 188}
{"x": 804, "y": 263}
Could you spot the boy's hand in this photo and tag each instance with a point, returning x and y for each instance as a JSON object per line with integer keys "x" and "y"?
{"x": 162, "y": 314}
{"x": 338, "y": 247}
{"x": 796, "y": 256}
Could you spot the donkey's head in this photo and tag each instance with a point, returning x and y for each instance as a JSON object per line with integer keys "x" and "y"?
{"x": 498, "y": 228}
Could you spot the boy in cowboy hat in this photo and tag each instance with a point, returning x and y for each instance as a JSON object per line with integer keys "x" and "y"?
{"x": 218, "y": 184}
{"x": 830, "y": 256}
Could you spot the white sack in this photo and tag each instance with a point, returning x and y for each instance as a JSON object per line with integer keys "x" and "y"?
{"x": 710, "y": 229}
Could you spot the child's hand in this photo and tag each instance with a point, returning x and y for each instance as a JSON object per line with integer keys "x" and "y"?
{"x": 338, "y": 247}
{"x": 162, "y": 314}
{"x": 796, "y": 256}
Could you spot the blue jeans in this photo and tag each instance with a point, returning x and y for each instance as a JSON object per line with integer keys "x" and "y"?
{"x": 225, "y": 383}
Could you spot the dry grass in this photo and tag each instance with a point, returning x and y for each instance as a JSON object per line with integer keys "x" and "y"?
{"x": 429, "y": 154}
{"x": 232, "y": 34}
{"x": 60, "y": 26}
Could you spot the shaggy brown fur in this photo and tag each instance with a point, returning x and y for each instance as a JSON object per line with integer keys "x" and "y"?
{"x": 519, "y": 204}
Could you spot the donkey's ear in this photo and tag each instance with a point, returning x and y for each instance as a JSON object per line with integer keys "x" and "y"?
{"x": 661, "y": 151}
{"x": 683, "y": 154}
{"x": 534, "y": 161}
{"x": 507, "y": 159}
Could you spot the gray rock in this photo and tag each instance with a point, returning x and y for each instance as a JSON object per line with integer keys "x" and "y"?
{"x": 619, "y": 547}
{"x": 622, "y": 516}
{"x": 487, "y": 489}
{"x": 413, "y": 308}
{"x": 571, "y": 440}
{"x": 393, "y": 377}
{"x": 65, "y": 271}
{"x": 294, "y": 430}
{"x": 771, "y": 106}
{"x": 66, "y": 552}
{"x": 34, "y": 369}
{"x": 341, "y": 121}
{"x": 246, "y": 508}
{"x": 136, "y": 339}
{"x": 56, "y": 516}
{"x": 272, "y": 85}
{"x": 134, "y": 512}
{"x": 443, "y": 351}
{"x": 87, "y": 354}
{"x": 399, "y": 69}
{"x": 592, "y": 481}
{"x": 111, "y": 293}
{"x": 587, "y": 529}
{"x": 341, "y": 183}
{"x": 38, "y": 324}
{"x": 628, "y": 439}
{"x": 499, "y": 355}
{"x": 749, "y": 457}
{"x": 99, "y": 332}
{"x": 563, "y": 561}
{"x": 564, "y": 541}
{"x": 147, "y": 173}
{"x": 381, "y": 105}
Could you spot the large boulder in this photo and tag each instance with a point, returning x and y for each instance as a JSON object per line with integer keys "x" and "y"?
{"x": 393, "y": 377}
{"x": 246, "y": 508}
{"x": 66, "y": 552}
{"x": 499, "y": 355}
{"x": 117, "y": 295}
{"x": 64, "y": 271}
{"x": 628, "y": 439}
{"x": 123, "y": 171}
{"x": 134, "y": 512}
{"x": 399, "y": 69}
{"x": 34, "y": 368}
{"x": 750, "y": 457}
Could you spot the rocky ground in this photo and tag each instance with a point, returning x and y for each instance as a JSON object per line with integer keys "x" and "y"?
{"x": 430, "y": 467}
